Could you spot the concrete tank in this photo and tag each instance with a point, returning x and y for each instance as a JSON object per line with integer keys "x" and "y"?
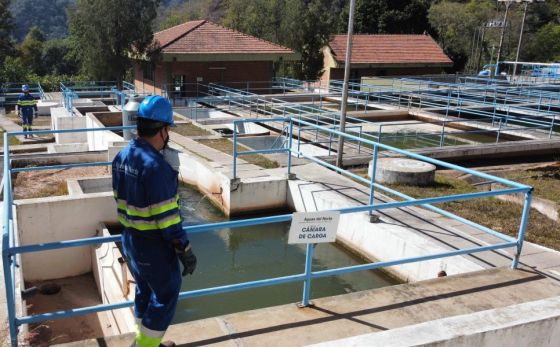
{"x": 404, "y": 171}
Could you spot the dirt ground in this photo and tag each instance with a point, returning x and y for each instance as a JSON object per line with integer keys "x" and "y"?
{"x": 79, "y": 291}
{"x": 43, "y": 183}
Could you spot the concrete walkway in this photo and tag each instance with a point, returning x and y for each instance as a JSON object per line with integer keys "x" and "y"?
{"x": 445, "y": 232}
{"x": 360, "y": 313}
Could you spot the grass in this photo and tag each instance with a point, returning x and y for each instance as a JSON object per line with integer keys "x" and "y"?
{"x": 55, "y": 189}
{"x": 39, "y": 121}
{"x": 546, "y": 181}
{"x": 226, "y": 146}
{"x": 190, "y": 129}
{"x": 12, "y": 140}
{"x": 502, "y": 216}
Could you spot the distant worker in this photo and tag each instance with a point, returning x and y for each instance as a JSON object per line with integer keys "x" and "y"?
{"x": 145, "y": 188}
{"x": 26, "y": 108}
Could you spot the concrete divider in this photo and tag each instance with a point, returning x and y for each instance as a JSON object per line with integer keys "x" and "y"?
{"x": 114, "y": 281}
{"x": 60, "y": 218}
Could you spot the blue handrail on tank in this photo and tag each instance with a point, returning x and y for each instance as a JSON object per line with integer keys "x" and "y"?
{"x": 10, "y": 250}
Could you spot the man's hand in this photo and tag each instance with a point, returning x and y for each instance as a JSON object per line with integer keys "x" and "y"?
{"x": 35, "y": 115}
{"x": 188, "y": 259}
{"x": 186, "y": 256}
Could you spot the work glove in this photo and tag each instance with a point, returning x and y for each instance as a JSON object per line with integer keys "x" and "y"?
{"x": 35, "y": 115}
{"x": 188, "y": 259}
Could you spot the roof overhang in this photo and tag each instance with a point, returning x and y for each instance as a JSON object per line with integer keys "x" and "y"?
{"x": 392, "y": 65}
{"x": 242, "y": 56}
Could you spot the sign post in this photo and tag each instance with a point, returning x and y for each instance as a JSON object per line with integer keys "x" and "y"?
{"x": 311, "y": 228}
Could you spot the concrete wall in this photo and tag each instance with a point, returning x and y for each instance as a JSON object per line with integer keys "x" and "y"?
{"x": 113, "y": 282}
{"x": 99, "y": 140}
{"x": 250, "y": 195}
{"x": 377, "y": 241}
{"x": 61, "y": 120}
{"x": 535, "y": 323}
{"x": 57, "y": 219}
{"x": 232, "y": 196}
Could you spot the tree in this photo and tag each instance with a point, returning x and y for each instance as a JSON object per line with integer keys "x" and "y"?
{"x": 48, "y": 15}
{"x": 389, "y": 16}
{"x": 106, "y": 32}
{"x": 302, "y": 25}
{"x": 13, "y": 70}
{"x": 58, "y": 59}
{"x": 456, "y": 23}
{"x": 31, "y": 50}
{"x": 181, "y": 13}
{"x": 545, "y": 46}
{"x": 6, "y": 27}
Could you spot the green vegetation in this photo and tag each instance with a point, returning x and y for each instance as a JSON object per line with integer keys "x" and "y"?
{"x": 456, "y": 22}
{"x": 499, "y": 215}
{"x": 54, "y": 189}
{"x": 12, "y": 140}
{"x": 226, "y": 146}
{"x": 104, "y": 31}
{"x": 546, "y": 181}
{"x": 190, "y": 129}
{"x": 85, "y": 40}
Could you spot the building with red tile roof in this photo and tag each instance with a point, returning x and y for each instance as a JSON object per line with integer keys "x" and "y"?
{"x": 384, "y": 55}
{"x": 204, "y": 52}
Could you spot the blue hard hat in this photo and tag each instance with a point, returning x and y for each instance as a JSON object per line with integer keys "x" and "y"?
{"x": 156, "y": 108}
{"x": 25, "y": 88}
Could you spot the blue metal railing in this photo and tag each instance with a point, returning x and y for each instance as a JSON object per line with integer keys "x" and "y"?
{"x": 11, "y": 251}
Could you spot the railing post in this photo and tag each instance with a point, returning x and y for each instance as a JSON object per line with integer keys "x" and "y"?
{"x": 522, "y": 227}
{"x": 373, "y": 172}
{"x": 6, "y": 256}
{"x": 290, "y": 146}
{"x": 442, "y": 139}
{"x": 360, "y": 142}
{"x": 234, "y": 149}
{"x": 499, "y": 130}
{"x": 551, "y": 125}
{"x": 308, "y": 270}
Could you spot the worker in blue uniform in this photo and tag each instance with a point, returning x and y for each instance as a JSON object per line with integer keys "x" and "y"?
{"x": 145, "y": 189}
{"x": 26, "y": 108}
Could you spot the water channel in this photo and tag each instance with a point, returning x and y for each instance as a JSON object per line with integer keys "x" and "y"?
{"x": 231, "y": 256}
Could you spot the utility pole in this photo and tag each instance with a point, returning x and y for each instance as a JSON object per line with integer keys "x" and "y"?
{"x": 520, "y": 38}
{"x": 347, "y": 64}
{"x": 521, "y": 32}
{"x": 508, "y": 4}
{"x": 481, "y": 47}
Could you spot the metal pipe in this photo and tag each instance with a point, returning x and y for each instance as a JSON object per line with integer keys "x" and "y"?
{"x": 373, "y": 174}
{"x": 522, "y": 227}
{"x": 347, "y": 64}
{"x": 7, "y": 264}
{"x": 308, "y": 271}
{"x": 371, "y": 266}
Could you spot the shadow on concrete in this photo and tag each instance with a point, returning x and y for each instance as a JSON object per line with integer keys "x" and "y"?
{"x": 334, "y": 316}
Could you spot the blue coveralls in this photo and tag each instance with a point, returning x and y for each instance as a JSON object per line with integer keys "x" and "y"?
{"x": 145, "y": 188}
{"x": 26, "y": 104}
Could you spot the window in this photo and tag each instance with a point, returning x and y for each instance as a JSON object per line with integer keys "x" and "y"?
{"x": 148, "y": 71}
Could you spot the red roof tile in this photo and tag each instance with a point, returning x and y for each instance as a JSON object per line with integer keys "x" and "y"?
{"x": 207, "y": 37}
{"x": 389, "y": 49}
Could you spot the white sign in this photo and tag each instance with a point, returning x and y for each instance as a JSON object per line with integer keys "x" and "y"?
{"x": 314, "y": 227}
